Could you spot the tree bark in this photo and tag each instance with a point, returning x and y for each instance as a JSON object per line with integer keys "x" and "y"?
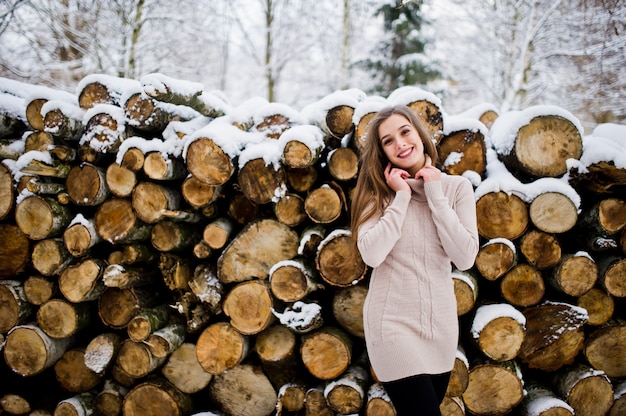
{"x": 101, "y": 351}
{"x": 62, "y": 319}
{"x": 588, "y": 392}
{"x": 14, "y": 306}
{"x": 41, "y": 217}
{"x": 554, "y": 335}
{"x": 28, "y": 350}
{"x": 72, "y": 373}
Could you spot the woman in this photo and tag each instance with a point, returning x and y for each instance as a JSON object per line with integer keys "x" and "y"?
{"x": 410, "y": 221}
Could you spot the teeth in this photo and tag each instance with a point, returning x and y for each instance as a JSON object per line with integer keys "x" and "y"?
{"x": 406, "y": 152}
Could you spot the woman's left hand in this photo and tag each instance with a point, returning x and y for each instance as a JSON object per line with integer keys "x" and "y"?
{"x": 428, "y": 173}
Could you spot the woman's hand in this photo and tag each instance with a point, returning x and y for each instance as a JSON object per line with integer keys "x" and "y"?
{"x": 428, "y": 173}
{"x": 395, "y": 178}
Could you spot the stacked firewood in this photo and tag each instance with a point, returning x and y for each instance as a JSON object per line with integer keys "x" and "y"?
{"x": 166, "y": 253}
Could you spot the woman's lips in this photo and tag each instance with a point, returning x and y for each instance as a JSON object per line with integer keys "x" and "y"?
{"x": 406, "y": 153}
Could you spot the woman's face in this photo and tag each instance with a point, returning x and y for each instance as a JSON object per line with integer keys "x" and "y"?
{"x": 401, "y": 143}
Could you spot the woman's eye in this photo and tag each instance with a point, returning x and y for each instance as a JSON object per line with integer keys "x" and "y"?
{"x": 406, "y": 131}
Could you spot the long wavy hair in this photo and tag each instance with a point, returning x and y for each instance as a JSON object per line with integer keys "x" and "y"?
{"x": 371, "y": 193}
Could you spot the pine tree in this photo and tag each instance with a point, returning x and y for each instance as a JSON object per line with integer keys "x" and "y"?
{"x": 399, "y": 59}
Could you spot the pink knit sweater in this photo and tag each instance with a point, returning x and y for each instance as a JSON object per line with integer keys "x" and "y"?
{"x": 410, "y": 318}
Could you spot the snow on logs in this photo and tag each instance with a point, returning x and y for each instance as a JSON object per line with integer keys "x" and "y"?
{"x": 152, "y": 231}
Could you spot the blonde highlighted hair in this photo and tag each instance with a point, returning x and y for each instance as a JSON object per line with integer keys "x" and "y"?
{"x": 372, "y": 194}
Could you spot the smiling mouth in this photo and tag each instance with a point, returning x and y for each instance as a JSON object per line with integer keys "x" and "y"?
{"x": 405, "y": 153}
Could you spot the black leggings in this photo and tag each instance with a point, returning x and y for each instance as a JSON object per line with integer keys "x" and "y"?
{"x": 418, "y": 395}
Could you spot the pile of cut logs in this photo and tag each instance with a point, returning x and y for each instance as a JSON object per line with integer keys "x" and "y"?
{"x": 166, "y": 253}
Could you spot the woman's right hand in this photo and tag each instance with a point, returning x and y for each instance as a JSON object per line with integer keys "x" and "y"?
{"x": 395, "y": 178}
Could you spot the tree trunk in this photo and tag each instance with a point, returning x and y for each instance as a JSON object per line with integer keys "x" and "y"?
{"x": 41, "y": 217}
{"x": 574, "y": 275}
{"x": 82, "y": 282}
{"x": 554, "y": 335}
{"x": 459, "y": 378}
{"x": 326, "y": 352}
{"x": 598, "y": 304}
{"x": 197, "y": 193}
{"x": 249, "y": 306}
{"x": 208, "y": 163}
{"x": 588, "y": 392}
{"x": 7, "y": 192}
{"x": 276, "y": 348}
{"x": 523, "y": 285}
{"x": 315, "y": 403}
{"x": 553, "y": 212}
{"x": 255, "y": 249}
{"x": 465, "y": 291}
{"x": 220, "y": 348}
{"x": 348, "y": 308}
{"x": 292, "y": 280}
{"x": 289, "y": 210}
{"x": 498, "y": 331}
{"x": 116, "y": 307}
{"x": 59, "y": 123}
{"x": 463, "y": 150}
{"x": 227, "y": 389}
{"x": 116, "y": 221}
{"x": 39, "y": 290}
{"x": 120, "y": 180}
{"x": 343, "y": 164}
{"x": 261, "y": 182}
{"x": 290, "y": 398}
{"x": 156, "y": 397}
{"x": 166, "y": 340}
{"x": 324, "y": 204}
{"x": 61, "y": 319}
{"x": 347, "y": 394}
{"x": 72, "y": 373}
{"x": 605, "y": 349}
{"x": 218, "y": 232}
{"x": 81, "y": 404}
{"x": 160, "y": 167}
{"x": 28, "y": 350}
{"x": 541, "y": 401}
{"x": 101, "y": 351}
{"x": 493, "y": 388}
{"x": 378, "y": 402}
{"x": 80, "y": 236}
{"x": 136, "y": 359}
{"x": 338, "y": 261}
{"x": 103, "y": 132}
{"x": 147, "y": 321}
{"x": 612, "y": 270}
{"x": 184, "y": 371}
{"x": 50, "y": 257}
{"x": 541, "y": 250}
{"x": 501, "y": 215}
{"x": 14, "y": 306}
{"x": 543, "y": 146}
{"x": 109, "y": 400}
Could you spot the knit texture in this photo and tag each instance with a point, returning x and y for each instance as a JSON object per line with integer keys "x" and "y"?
{"x": 410, "y": 316}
